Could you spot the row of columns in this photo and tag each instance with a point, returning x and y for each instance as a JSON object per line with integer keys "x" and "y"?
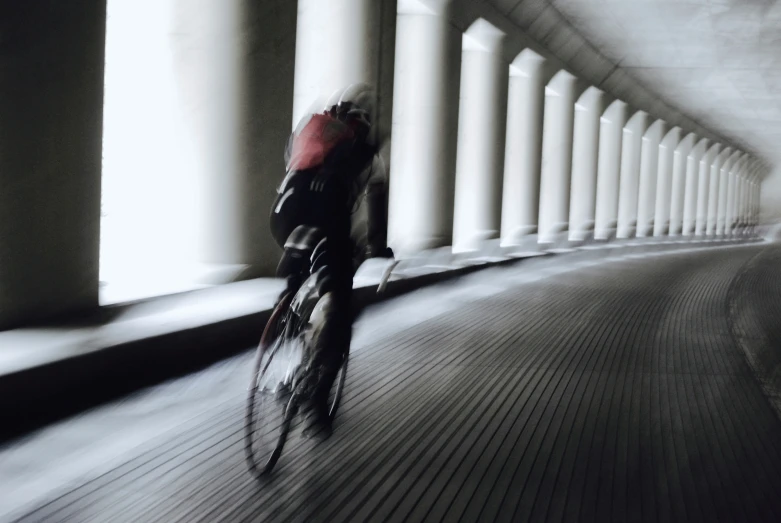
{"x": 538, "y": 152}
{"x": 483, "y": 147}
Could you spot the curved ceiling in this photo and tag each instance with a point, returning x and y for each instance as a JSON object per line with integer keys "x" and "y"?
{"x": 718, "y": 62}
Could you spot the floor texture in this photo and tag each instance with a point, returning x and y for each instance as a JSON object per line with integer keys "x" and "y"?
{"x": 603, "y": 390}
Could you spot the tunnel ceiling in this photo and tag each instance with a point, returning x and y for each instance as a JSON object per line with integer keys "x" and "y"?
{"x": 716, "y": 61}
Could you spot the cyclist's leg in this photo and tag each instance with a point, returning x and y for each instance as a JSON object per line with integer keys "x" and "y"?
{"x": 335, "y": 337}
{"x": 288, "y": 212}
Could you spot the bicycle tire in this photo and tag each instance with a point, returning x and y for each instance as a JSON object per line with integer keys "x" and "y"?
{"x": 271, "y": 341}
{"x": 339, "y": 388}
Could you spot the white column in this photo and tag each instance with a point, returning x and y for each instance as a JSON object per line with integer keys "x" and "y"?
{"x": 557, "y": 155}
{"x": 737, "y": 204}
{"x": 750, "y": 197}
{"x": 691, "y": 192}
{"x": 732, "y": 193}
{"x": 749, "y": 202}
{"x": 649, "y": 164}
{"x": 704, "y": 189}
{"x": 737, "y": 226}
{"x": 425, "y": 124}
{"x": 481, "y": 137}
{"x": 237, "y": 120}
{"x": 751, "y": 179}
{"x": 631, "y": 147}
{"x": 747, "y": 181}
{"x": 715, "y": 190}
{"x": 523, "y": 149}
{"x": 757, "y": 192}
{"x": 724, "y": 192}
{"x": 585, "y": 149}
{"x": 732, "y": 166}
{"x": 678, "y": 186}
{"x": 664, "y": 181}
{"x": 752, "y": 208}
{"x": 610, "y": 134}
{"x": 336, "y": 45}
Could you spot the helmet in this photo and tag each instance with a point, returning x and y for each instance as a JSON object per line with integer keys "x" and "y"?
{"x": 354, "y": 104}
{"x": 333, "y": 102}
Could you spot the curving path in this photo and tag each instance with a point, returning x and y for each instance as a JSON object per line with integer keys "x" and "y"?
{"x": 614, "y": 391}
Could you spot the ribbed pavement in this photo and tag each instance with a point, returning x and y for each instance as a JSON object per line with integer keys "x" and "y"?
{"x": 612, "y": 392}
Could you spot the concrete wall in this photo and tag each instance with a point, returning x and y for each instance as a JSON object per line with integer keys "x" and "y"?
{"x": 51, "y": 113}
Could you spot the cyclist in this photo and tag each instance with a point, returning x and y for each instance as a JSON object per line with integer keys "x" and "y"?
{"x": 336, "y": 182}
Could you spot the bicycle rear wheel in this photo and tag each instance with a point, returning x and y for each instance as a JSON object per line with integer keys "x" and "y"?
{"x": 268, "y": 415}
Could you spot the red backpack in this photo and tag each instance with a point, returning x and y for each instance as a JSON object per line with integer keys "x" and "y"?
{"x": 319, "y": 137}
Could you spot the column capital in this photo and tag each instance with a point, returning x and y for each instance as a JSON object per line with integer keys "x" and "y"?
{"x": 423, "y": 7}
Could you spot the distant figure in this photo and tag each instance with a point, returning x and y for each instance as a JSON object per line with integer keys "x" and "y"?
{"x": 333, "y": 169}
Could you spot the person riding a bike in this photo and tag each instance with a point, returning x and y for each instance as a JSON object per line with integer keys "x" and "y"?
{"x": 335, "y": 184}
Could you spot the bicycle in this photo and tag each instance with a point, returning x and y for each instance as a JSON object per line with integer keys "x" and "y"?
{"x": 282, "y": 378}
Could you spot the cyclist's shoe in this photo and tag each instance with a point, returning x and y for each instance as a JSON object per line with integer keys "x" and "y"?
{"x": 318, "y": 422}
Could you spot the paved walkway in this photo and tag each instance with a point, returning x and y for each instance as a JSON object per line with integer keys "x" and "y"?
{"x": 603, "y": 391}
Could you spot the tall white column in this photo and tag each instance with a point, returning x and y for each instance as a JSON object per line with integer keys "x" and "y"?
{"x": 692, "y": 190}
{"x": 238, "y": 117}
{"x": 631, "y": 148}
{"x": 749, "y": 200}
{"x": 749, "y": 188}
{"x": 664, "y": 181}
{"x": 757, "y": 195}
{"x": 750, "y": 181}
{"x": 425, "y": 127}
{"x": 557, "y": 133}
{"x": 678, "y": 186}
{"x": 704, "y": 189}
{"x": 737, "y": 224}
{"x": 724, "y": 192}
{"x": 336, "y": 45}
{"x": 731, "y": 179}
{"x": 585, "y": 149}
{"x": 747, "y": 182}
{"x": 523, "y": 149}
{"x": 752, "y": 206}
{"x": 749, "y": 196}
{"x": 743, "y": 203}
{"x": 481, "y": 137}
{"x": 732, "y": 193}
{"x": 715, "y": 190}
{"x": 611, "y": 131}
{"x": 649, "y": 164}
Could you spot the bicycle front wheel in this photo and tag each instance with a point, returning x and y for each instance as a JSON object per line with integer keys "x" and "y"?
{"x": 269, "y": 410}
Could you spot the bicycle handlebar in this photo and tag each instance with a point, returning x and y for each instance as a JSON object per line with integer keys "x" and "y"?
{"x": 386, "y": 276}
